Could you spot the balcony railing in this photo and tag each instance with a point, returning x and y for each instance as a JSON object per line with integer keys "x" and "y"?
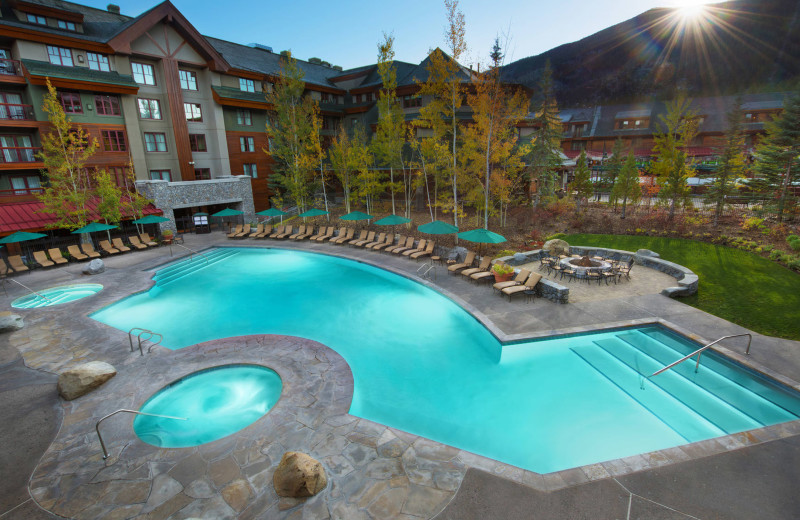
{"x": 19, "y": 154}
{"x": 21, "y": 192}
{"x": 16, "y": 112}
{"x": 10, "y": 67}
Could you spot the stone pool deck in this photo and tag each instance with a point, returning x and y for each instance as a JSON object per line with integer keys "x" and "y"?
{"x": 374, "y": 471}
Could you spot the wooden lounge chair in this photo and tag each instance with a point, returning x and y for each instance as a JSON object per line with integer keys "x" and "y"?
{"x": 484, "y": 266}
{"x": 42, "y": 259}
{"x": 244, "y": 232}
{"x": 88, "y": 249}
{"x": 287, "y": 232}
{"x": 453, "y": 269}
{"x": 409, "y": 243}
{"x": 361, "y": 236}
{"x": 56, "y": 256}
{"x": 529, "y": 285}
{"x": 427, "y": 252}
{"x": 381, "y": 238}
{"x": 300, "y": 231}
{"x": 258, "y": 231}
{"x": 235, "y": 232}
{"x": 348, "y": 235}
{"x": 146, "y": 240}
{"x": 135, "y": 242}
{"x": 119, "y": 245}
{"x": 4, "y": 269}
{"x": 278, "y": 231}
{"x": 388, "y": 242}
{"x": 370, "y": 238}
{"x": 105, "y": 246}
{"x": 15, "y": 262}
{"x": 76, "y": 253}
{"x": 420, "y": 247}
{"x": 518, "y": 280}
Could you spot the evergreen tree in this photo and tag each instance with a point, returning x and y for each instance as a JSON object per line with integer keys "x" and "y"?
{"x": 779, "y": 154}
{"x": 581, "y": 185}
{"x": 626, "y": 187}
{"x": 731, "y": 161}
{"x": 546, "y": 149}
{"x": 612, "y": 167}
{"x": 672, "y": 166}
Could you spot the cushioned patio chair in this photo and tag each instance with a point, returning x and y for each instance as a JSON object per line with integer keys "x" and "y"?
{"x": 56, "y": 256}
{"x": 300, "y": 231}
{"x": 427, "y": 252}
{"x": 88, "y": 249}
{"x": 327, "y": 235}
{"x": 361, "y": 236}
{"x": 403, "y": 243}
{"x": 369, "y": 238}
{"x": 244, "y": 232}
{"x": 258, "y": 231}
{"x": 146, "y": 240}
{"x": 420, "y": 247}
{"x": 4, "y": 269}
{"x": 277, "y": 231}
{"x": 387, "y": 242}
{"x": 381, "y": 238}
{"x": 236, "y": 231}
{"x": 119, "y": 245}
{"x": 483, "y": 266}
{"x": 105, "y": 246}
{"x": 528, "y": 287}
{"x": 42, "y": 259}
{"x": 455, "y": 268}
{"x": 522, "y": 275}
{"x": 404, "y": 247}
{"x": 76, "y": 253}
{"x": 16, "y": 263}
{"x": 341, "y": 239}
{"x": 135, "y": 242}
{"x": 265, "y": 232}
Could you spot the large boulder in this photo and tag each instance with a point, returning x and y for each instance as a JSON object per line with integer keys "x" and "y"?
{"x": 10, "y": 322}
{"x": 84, "y": 378}
{"x": 457, "y": 254}
{"x": 299, "y": 475}
{"x": 96, "y": 266}
{"x": 556, "y": 247}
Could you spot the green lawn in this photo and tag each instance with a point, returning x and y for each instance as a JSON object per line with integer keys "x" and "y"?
{"x": 738, "y": 286}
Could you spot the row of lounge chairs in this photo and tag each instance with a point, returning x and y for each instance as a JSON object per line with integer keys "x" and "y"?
{"x": 54, "y": 256}
{"x": 523, "y": 283}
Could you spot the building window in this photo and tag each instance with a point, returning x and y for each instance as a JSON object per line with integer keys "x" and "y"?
{"x": 197, "y": 142}
{"x": 26, "y": 185}
{"x": 202, "y": 174}
{"x": 155, "y": 142}
{"x": 63, "y": 24}
{"x": 114, "y": 140}
{"x": 247, "y": 144}
{"x": 243, "y": 117}
{"x": 98, "y": 61}
{"x": 120, "y": 176}
{"x": 59, "y": 55}
{"x": 107, "y": 105}
{"x": 160, "y": 175}
{"x": 247, "y": 85}
{"x": 35, "y": 18}
{"x": 250, "y": 170}
{"x": 412, "y": 101}
{"x": 188, "y": 79}
{"x": 193, "y": 112}
{"x": 143, "y": 73}
{"x": 149, "y": 109}
{"x": 71, "y": 101}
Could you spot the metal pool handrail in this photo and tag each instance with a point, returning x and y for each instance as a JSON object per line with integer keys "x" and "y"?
{"x": 28, "y": 288}
{"x": 699, "y": 353}
{"x": 191, "y": 256}
{"x": 97, "y": 426}
{"x": 139, "y": 338}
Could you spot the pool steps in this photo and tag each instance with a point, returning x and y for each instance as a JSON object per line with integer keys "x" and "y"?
{"x": 52, "y": 299}
{"x": 715, "y": 404}
{"x": 179, "y": 270}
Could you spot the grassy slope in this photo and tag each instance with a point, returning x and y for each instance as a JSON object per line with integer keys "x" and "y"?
{"x": 735, "y": 285}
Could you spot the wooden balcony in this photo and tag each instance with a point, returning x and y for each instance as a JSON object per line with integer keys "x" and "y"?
{"x": 16, "y": 112}
{"x": 20, "y": 157}
{"x": 20, "y": 195}
{"x": 11, "y": 71}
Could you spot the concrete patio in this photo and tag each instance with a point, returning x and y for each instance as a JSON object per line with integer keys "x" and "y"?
{"x": 374, "y": 471}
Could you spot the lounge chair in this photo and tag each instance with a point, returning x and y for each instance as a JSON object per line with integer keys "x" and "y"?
{"x": 409, "y": 244}
{"x": 42, "y": 259}
{"x": 258, "y": 231}
{"x": 453, "y": 269}
{"x": 342, "y": 239}
{"x": 244, "y": 232}
{"x": 482, "y": 276}
{"x": 76, "y": 253}
{"x": 119, "y": 245}
{"x": 529, "y": 285}
{"x": 146, "y": 240}
{"x": 328, "y": 235}
{"x": 370, "y": 238}
{"x": 4, "y": 269}
{"x": 15, "y": 261}
{"x": 381, "y": 238}
{"x": 278, "y": 231}
{"x": 388, "y": 242}
{"x": 420, "y": 247}
{"x": 287, "y": 232}
{"x": 518, "y": 280}
{"x": 264, "y": 232}
{"x": 361, "y": 236}
{"x": 321, "y": 233}
{"x": 105, "y": 246}
{"x": 427, "y": 252}
{"x": 300, "y": 231}
{"x": 56, "y": 256}
{"x": 88, "y": 249}
{"x": 484, "y": 266}
{"x": 134, "y": 241}
{"x": 235, "y": 232}
{"x": 309, "y": 233}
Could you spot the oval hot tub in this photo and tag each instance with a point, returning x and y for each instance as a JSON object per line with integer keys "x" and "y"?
{"x": 57, "y": 295}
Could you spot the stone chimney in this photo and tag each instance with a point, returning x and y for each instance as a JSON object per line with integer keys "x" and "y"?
{"x": 113, "y": 8}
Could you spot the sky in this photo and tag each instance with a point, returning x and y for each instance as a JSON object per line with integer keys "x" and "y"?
{"x": 347, "y": 32}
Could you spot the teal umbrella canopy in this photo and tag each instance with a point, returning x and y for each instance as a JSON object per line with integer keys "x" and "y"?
{"x": 227, "y": 212}
{"x": 20, "y": 236}
{"x": 94, "y": 226}
{"x": 271, "y": 212}
{"x": 482, "y": 236}
{"x": 437, "y": 227}
{"x": 151, "y": 219}
{"x": 392, "y": 220}
{"x": 201, "y": 214}
{"x": 313, "y": 213}
{"x": 356, "y": 215}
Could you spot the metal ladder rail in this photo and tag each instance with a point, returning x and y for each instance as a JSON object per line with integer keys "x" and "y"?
{"x": 6, "y": 280}
{"x": 699, "y": 353}
{"x": 192, "y": 251}
{"x": 97, "y": 426}
{"x": 426, "y": 274}
{"x": 138, "y": 335}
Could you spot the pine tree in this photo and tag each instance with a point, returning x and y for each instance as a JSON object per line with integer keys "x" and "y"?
{"x": 581, "y": 184}
{"x": 672, "y": 166}
{"x": 546, "y": 149}
{"x": 612, "y": 167}
{"x": 731, "y": 164}
{"x": 779, "y": 154}
{"x": 627, "y": 187}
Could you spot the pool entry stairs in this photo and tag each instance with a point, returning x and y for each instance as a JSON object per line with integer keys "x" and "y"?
{"x": 714, "y": 401}
{"x": 197, "y": 262}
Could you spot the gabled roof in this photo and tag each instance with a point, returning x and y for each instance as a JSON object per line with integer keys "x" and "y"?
{"x": 98, "y": 25}
{"x": 420, "y": 72}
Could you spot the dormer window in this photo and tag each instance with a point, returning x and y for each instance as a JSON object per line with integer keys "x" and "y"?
{"x": 59, "y": 56}
{"x": 63, "y": 24}
{"x": 247, "y": 85}
{"x": 35, "y": 18}
{"x": 98, "y": 61}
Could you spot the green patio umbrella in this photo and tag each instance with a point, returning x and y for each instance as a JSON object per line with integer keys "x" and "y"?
{"x": 151, "y": 219}
{"x": 94, "y": 226}
{"x": 392, "y": 220}
{"x": 21, "y": 236}
{"x": 313, "y": 213}
{"x": 356, "y": 215}
{"x": 437, "y": 227}
{"x": 228, "y": 212}
{"x": 200, "y": 214}
{"x": 482, "y": 236}
{"x": 272, "y": 212}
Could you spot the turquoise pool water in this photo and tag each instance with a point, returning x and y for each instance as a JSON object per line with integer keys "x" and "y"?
{"x": 215, "y": 402}
{"x": 422, "y": 364}
{"x": 57, "y": 295}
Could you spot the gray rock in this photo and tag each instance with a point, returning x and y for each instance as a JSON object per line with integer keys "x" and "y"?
{"x": 457, "y": 253}
{"x": 647, "y": 252}
{"x": 84, "y": 378}
{"x": 299, "y": 475}
{"x": 556, "y": 247}
{"x": 96, "y": 266}
{"x": 10, "y": 322}
{"x": 520, "y": 258}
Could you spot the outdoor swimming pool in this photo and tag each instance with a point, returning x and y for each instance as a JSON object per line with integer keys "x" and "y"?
{"x": 422, "y": 364}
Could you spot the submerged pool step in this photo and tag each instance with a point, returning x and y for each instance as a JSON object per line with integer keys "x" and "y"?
{"x": 190, "y": 266}
{"x": 728, "y": 418}
{"x": 682, "y": 419}
{"x": 184, "y": 264}
{"x": 715, "y": 377}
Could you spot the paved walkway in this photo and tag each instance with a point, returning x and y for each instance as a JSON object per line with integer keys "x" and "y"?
{"x": 375, "y": 471}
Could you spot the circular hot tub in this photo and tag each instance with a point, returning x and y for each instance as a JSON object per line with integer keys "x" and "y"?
{"x": 208, "y": 405}
{"x": 56, "y": 295}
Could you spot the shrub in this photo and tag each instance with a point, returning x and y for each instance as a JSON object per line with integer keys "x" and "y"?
{"x": 766, "y": 248}
{"x": 536, "y": 235}
{"x": 556, "y": 236}
{"x": 776, "y": 254}
{"x": 505, "y": 252}
{"x": 752, "y": 223}
{"x": 794, "y": 263}
{"x": 694, "y": 221}
{"x": 501, "y": 268}
{"x": 794, "y": 242}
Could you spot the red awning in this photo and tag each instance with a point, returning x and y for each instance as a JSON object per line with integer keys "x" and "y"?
{"x": 28, "y": 216}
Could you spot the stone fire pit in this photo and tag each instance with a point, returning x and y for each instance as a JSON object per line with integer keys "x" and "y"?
{"x": 585, "y": 264}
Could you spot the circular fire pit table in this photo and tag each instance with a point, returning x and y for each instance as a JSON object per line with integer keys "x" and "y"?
{"x": 583, "y": 265}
